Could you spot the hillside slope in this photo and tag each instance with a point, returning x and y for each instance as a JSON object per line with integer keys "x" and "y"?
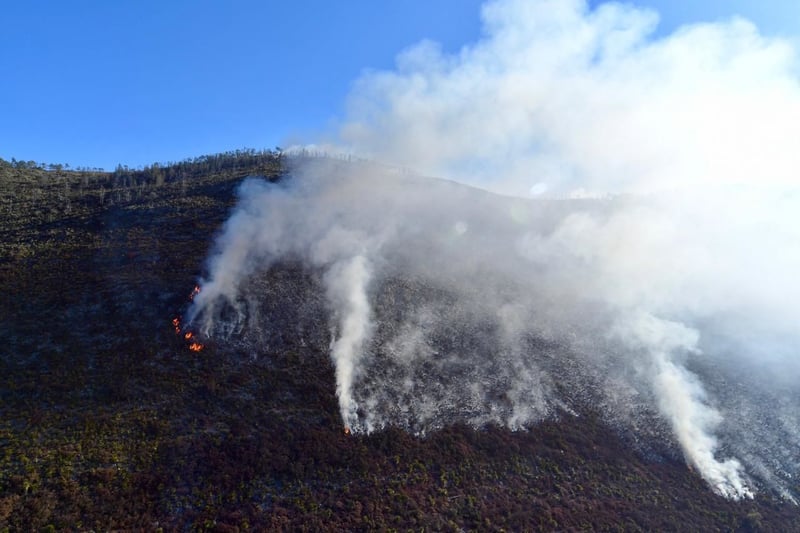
{"x": 109, "y": 421}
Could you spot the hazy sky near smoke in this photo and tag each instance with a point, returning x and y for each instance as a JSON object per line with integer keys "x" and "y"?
{"x": 774, "y": 17}
{"x": 100, "y": 83}
{"x": 560, "y": 97}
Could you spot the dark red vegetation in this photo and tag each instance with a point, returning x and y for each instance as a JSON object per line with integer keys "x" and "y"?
{"x": 109, "y": 422}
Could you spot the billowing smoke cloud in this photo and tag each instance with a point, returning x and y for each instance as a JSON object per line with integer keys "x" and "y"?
{"x": 641, "y": 259}
{"x": 557, "y": 97}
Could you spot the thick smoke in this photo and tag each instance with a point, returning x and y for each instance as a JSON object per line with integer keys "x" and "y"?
{"x": 347, "y": 290}
{"x": 641, "y": 258}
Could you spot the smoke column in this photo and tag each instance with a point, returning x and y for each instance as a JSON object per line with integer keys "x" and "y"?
{"x": 347, "y": 290}
{"x": 636, "y": 252}
{"x": 682, "y": 399}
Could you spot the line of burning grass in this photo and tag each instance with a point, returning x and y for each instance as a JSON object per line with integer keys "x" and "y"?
{"x": 191, "y": 339}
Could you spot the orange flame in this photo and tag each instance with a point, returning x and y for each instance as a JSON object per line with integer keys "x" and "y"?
{"x": 188, "y": 336}
{"x": 346, "y": 430}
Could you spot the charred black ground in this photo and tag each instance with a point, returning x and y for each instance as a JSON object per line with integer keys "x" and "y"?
{"x": 109, "y": 421}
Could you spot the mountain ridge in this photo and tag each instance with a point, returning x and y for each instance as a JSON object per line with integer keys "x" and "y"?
{"x": 109, "y": 421}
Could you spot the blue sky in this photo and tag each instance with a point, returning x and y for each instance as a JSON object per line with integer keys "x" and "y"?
{"x": 95, "y": 83}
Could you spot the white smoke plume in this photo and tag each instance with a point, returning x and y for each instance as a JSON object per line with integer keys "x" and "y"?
{"x": 562, "y": 98}
{"x": 642, "y": 257}
{"x": 682, "y": 399}
{"x": 347, "y": 290}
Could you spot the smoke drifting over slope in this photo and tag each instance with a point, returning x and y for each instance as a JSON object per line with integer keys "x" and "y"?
{"x": 666, "y": 296}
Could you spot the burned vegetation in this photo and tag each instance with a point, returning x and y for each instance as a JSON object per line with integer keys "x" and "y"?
{"x": 116, "y": 415}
